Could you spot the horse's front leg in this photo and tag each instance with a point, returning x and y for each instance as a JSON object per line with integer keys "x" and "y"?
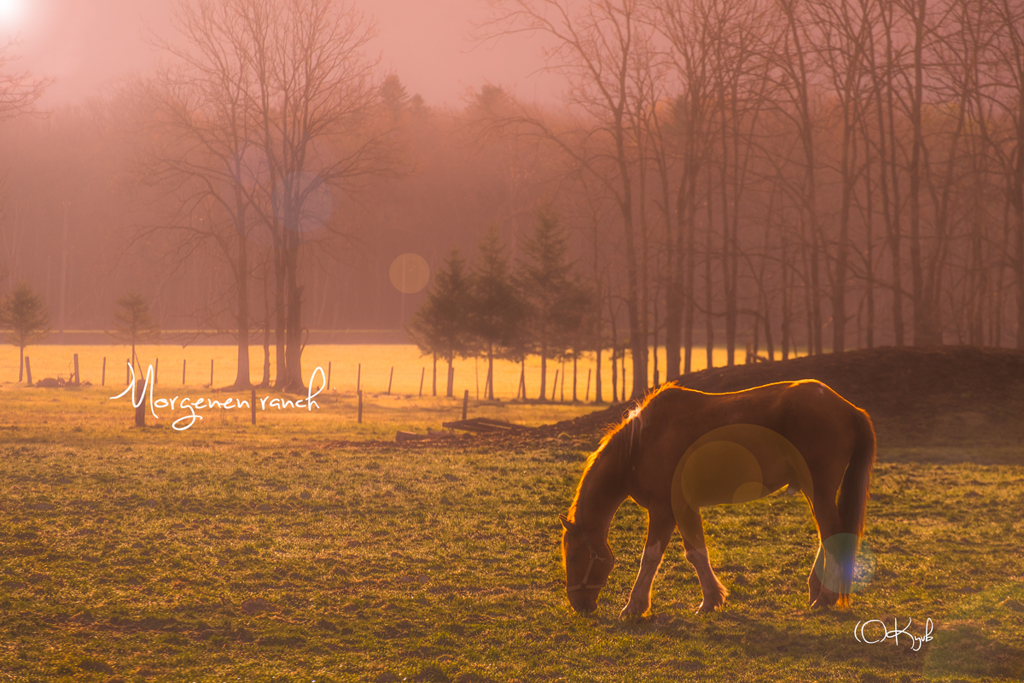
{"x": 692, "y": 529}
{"x": 659, "y": 532}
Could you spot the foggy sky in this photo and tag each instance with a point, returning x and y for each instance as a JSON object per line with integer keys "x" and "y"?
{"x": 87, "y": 45}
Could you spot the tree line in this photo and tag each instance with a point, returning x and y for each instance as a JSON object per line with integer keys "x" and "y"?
{"x": 807, "y": 174}
{"x": 24, "y": 315}
{"x": 784, "y": 176}
{"x": 542, "y": 307}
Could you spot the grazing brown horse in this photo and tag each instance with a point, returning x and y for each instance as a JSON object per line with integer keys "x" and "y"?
{"x": 684, "y": 449}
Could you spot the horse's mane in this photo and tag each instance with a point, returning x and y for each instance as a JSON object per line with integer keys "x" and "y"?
{"x": 619, "y": 439}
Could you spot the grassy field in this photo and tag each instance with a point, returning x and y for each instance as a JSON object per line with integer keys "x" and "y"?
{"x": 290, "y": 552}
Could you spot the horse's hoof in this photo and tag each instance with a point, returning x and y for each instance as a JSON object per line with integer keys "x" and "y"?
{"x": 823, "y": 604}
{"x": 708, "y": 608}
{"x": 825, "y": 600}
{"x": 629, "y": 612}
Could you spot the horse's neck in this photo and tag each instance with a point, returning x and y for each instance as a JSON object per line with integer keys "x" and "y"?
{"x": 601, "y": 493}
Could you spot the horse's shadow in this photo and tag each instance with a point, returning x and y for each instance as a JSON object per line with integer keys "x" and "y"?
{"x": 810, "y": 636}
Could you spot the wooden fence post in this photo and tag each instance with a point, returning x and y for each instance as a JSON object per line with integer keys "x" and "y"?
{"x": 391, "y": 377}
{"x": 423, "y": 373}
{"x": 103, "y": 375}
{"x": 465, "y": 404}
{"x": 589, "y": 370}
{"x": 78, "y": 379}
{"x": 328, "y": 375}
{"x": 359, "y": 414}
{"x": 156, "y": 371}
{"x": 211, "y": 373}
{"x": 28, "y": 371}
{"x": 184, "y": 361}
{"x": 139, "y": 395}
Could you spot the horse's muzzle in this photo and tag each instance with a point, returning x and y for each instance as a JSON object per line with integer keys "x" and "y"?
{"x": 583, "y": 605}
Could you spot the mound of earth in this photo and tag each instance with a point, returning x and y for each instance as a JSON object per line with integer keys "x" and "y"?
{"x": 954, "y": 395}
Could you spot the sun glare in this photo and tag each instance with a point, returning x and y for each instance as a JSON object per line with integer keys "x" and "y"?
{"x": 10, "y": 10}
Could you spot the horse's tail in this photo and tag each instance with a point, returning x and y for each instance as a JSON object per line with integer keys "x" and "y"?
{"x": 853, "y": 495}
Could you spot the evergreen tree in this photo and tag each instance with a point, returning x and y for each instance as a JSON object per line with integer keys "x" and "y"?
{"x": 26, "y": 319}
{"x": 394, "y": 95}
{"x": 134, "y": 322}
{"x": 499, "y": 312}
{"x": 444, "y": 324}
{"x": 547, "y": 286}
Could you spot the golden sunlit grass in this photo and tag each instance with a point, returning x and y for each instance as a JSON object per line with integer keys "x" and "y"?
{"x": 271, "y": 553}
{"x": 383, "y": 413}
{"x": 376, "y": 360}
{"x": 37, "y": 412}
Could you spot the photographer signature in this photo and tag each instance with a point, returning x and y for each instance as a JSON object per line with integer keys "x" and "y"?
{"x": 915, "y": 641}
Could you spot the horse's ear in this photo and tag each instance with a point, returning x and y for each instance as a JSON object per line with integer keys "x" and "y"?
{"x": 566, "y": 523}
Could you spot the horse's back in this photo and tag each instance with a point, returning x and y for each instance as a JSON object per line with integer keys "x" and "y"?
{"x": 769, "y": 405}
{"x": 785, "y": 426}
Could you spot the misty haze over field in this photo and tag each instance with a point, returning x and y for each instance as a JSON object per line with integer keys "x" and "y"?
{"x": 781, "y": 176}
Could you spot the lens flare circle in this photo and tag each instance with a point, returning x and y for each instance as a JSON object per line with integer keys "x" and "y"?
{"x": 722, "y": 467}
{"x": 840, "y": 545}
{"x": 409, "y": 273}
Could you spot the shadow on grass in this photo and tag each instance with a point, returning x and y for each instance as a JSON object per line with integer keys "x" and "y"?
{"x": 959, "y": 651}
{"x": 967, "y": 650}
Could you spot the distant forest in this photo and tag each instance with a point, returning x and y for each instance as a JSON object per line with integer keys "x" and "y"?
{"x": 781, "y": 176}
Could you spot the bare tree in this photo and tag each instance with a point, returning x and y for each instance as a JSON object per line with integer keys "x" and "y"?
{"x": 685, "y": 26}
{"x": 207, "y": 146}
{"x": 841, "y": 42}
{"x": 596, "y": 45}
{"x": 796, "y": 81}
{"x": 883, "y": 65}
{"x": 271, "y": 108}
{"x": 18, "y": 93}
{"x": 19, "y": 90}
{"x": 317, "y": 95}
{"x": 925, "y": 266}
{"x": 1010, "y": 50}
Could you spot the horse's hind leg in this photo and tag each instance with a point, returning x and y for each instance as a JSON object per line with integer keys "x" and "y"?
{"x": 825, "y": 580}
{"x": 817, "y": 569}
{"x": 692, "y": 528}
{"x": 660, "y": 524}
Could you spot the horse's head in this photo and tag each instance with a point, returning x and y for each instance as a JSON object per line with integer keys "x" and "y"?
{"x": 588, "y": 562}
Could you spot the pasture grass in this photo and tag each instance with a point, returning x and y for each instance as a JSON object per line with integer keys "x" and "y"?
{"x": 291, "y": 552}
